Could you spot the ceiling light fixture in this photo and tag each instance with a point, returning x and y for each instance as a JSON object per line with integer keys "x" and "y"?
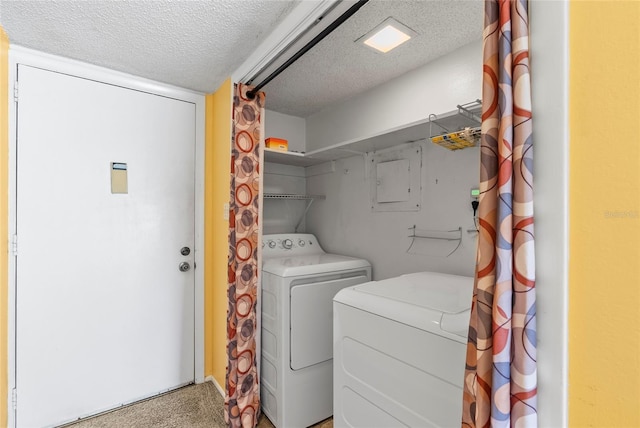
{"x": 388, "y": 35}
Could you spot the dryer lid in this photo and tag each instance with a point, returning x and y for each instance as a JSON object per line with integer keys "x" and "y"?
{"x": 435, "y": 302}
{"x": 438, "y": 291}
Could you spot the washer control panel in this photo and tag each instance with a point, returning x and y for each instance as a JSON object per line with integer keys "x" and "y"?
{"x": 286, "y": 244}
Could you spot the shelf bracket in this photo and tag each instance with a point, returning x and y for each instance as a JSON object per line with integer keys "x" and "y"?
{"x": 308, "y": 198}
{"x": 304, "y": 214}
{"x": 469, "y": 110}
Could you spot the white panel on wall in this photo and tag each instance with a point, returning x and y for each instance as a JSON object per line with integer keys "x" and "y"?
{"x": 395, "y": 178}
{"x": 392, "y": 181}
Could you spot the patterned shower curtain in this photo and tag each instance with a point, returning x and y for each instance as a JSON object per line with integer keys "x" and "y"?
{"x": 500, "y": 385}
{"x": 242, "y": 399}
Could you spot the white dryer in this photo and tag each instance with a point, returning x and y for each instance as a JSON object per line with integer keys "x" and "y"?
{"x": 299, "y": 281}
{"x": 399, "y": 351}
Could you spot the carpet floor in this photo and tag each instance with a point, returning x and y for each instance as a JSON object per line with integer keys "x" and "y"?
{"x": 194, "y": 406}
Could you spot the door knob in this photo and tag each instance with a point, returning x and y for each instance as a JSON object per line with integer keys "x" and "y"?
{"x": 185, "y": 251}
{"x": 184, "y": 266}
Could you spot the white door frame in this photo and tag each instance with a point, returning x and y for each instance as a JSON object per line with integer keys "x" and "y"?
{"x": 20, "y": 55}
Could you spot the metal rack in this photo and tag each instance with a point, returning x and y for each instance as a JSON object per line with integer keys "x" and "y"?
{"x": 444, "y": 235}
{"x": 461, "y": 130}
{"x": 290, "y": 196}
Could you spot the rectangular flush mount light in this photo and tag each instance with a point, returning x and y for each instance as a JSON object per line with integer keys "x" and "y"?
{"x": 388, "y": 35}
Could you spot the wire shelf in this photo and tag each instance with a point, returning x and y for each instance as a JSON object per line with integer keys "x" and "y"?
{"x": 469, "y": 137}
{"x": 461, "y": 130}
{"x": 292, "y": 196}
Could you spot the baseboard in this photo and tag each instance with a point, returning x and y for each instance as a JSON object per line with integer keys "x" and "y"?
{"x": 215, "y": 383}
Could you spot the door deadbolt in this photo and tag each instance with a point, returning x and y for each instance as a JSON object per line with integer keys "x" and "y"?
{"x": 184, "y": 266}
{"x": 185, "y": 251}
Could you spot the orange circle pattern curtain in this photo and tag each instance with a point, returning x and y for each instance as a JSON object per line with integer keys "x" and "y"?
{"x": 500, "y": 385}
{"x": 242, "y": 398}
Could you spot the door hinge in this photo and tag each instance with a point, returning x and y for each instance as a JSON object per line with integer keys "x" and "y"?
{"x": 15, "y": 91}
{"x": 14, "y": 398}
{"x": 14, "y": 245}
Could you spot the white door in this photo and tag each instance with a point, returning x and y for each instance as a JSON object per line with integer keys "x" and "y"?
{"x": 104, "y": 315}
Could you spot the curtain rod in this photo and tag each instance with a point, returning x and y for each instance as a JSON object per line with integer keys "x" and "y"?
{"x": 324, "y": 33}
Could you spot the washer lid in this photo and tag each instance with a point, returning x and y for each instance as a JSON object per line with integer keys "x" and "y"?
{"x": 312, "y": 264}
{"x": 436, "y": 302}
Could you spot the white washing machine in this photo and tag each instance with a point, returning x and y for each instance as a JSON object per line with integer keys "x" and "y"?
{"x": 399, "y": 351}
{"x": 299, "y": 281}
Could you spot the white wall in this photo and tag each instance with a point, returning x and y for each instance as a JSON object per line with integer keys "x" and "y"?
{"x": 345, "y": 223}
{"x": 436, "y": 88}
{"x": 549, "y": 72}
{"x": 291, "y": 128}
{"x": 281, "y": 216}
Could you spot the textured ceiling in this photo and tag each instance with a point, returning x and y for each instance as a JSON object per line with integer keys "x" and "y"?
{"x": 196, "y": 44}
{"x": 337, "y": 68}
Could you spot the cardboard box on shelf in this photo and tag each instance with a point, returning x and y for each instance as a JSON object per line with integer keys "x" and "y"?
{"x": 277, "y": 144}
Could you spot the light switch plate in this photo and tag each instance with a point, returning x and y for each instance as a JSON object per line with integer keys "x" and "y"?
{"x": 119, "y": 177}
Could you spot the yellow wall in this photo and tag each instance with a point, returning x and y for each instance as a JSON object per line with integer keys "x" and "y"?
{"x": 4, "y": 215}
{"x": 216, "y": 228}
{"x": 604, "y": 249}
